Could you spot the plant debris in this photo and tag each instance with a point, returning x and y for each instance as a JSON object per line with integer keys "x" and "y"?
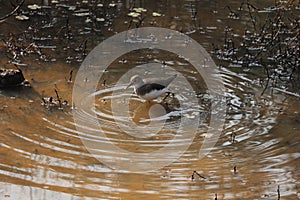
{"x": 52, "y": 102}
{"x": 270, "y": 40}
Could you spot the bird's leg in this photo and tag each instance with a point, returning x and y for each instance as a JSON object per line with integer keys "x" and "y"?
{"x": 165, "y": 103}
{"x": 168, "y": 94}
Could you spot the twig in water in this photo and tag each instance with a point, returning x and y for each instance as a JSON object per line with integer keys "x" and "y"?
{"x": 195, "y": 172}
{"x": 70, "y": 76}
{"x": 278, "y": 193}
{"x": 67, "y": 28}
{"x": 194, "y": 11}
{"x": 17, "y": 67}
{"x": 12, "y": 12}
{"x": 233, "y": 137}
{"x": 51, "y": 100}
{"x": 45, "y": 103}
{"x": 268, "y": 80}
{"x": 253, "y": 20}
{"x": 140, "y": 22}
{"x": 286, "y": 92}
{"x": 58, "y": 98}
{"x": 232, "y": 14}
{"x": 82, "y": 47}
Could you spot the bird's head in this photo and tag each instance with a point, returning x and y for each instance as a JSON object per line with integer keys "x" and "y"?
{"x": 135, "y": 80}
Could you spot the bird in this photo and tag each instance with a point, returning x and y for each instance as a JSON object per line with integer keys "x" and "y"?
{"x": 150, "y": 88}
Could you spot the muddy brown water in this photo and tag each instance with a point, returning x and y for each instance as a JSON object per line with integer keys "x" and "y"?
{"x": 42, "y": 156}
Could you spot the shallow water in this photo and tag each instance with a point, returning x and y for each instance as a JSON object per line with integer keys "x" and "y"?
{"x": 43, "y": 155}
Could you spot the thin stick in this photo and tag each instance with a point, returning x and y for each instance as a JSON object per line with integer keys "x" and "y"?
{"x": 58, "y": 98}
{"x": 287, "y": 92}
{"x": 70, "y": 76}
{"x": 195, "y": 172}
{"x": 235, "y": 169}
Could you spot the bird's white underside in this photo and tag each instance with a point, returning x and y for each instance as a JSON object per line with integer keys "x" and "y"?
{"x": 154, "y": 94}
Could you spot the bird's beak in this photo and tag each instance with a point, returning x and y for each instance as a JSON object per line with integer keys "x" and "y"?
{"x": 130, "y": 84}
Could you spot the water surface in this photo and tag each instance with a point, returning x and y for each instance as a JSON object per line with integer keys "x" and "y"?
{"x": 42, "y": 156}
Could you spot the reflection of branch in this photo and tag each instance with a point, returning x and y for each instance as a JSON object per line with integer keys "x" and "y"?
{"x": 268, "y": 80}
{"x": 195, "y": 172}
{"x": 253, "y": 20}
{"x": 287, "y": 92}
{"x": 12, "y": 12}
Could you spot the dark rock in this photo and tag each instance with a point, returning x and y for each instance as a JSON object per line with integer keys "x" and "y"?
{"x": 11, "y": 78}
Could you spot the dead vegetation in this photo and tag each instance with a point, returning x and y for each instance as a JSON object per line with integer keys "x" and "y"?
{"x": 270, "y": 40}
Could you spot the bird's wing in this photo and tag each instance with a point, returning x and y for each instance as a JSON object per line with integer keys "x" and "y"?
{"x": 148, "y": 87}
{"x": 164, "y": 82}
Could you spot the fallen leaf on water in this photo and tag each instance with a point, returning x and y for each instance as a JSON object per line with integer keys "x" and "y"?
{"x": 134, "y": 14}
{"x": 156, "y": 14}
{"x": 100, "y": 19}
{"x": 34, "y": 7}
{"x": 22, "y": 17}
{"x": 112, "y": 5}
{"x": 139, "y": 10}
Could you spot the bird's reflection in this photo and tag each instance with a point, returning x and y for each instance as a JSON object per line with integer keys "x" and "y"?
{"x": 153, "y": 112}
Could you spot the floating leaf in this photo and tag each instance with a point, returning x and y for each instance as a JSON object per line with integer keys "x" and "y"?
{"x": 82, "y": 14}
{"x": 207, "y": 96}
{"x": 139, "y": 10}
{"x": 134, "y": 14}
{"x": 72, "y": 8}
{"x": 112, "y": 5}
{"x": 22, "y": 17}
{"x": 189, "y": 116}
{"x": 34, "y": 7}
{"x": 88, "y": 20}
{"x": 100, "y": 19}
{"x": 156, "y": 14}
